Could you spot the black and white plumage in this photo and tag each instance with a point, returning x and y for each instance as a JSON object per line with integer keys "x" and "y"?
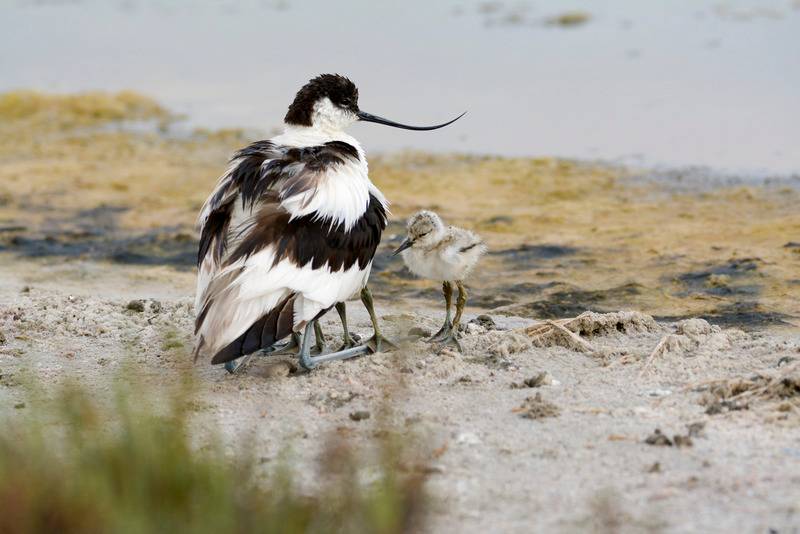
{"x": 290, "y": 229}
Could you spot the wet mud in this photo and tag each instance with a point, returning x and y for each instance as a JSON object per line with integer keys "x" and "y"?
{"x": 564, "y": 236}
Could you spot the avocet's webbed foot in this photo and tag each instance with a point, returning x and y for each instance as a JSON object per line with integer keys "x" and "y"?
{"x": 443, "y": 332}
{"x": 377, "y": 342}
{"x": 451, "y": 340}
{"x": 309, "y": 362}
{"x": 236, "y": 366}
{"x": 289, "y": 347}
{"x": 348, "y": 341}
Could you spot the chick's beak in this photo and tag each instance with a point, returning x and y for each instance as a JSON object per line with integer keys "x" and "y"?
{"x": 406, "y": 244}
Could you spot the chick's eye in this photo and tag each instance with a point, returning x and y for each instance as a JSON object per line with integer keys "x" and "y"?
{"x": 423, "y": 235}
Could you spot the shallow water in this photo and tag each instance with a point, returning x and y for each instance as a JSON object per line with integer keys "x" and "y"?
{"x": 679, "y": 83}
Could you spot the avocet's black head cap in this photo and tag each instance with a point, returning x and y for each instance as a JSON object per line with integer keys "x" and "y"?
{"x": 343, "y": 94}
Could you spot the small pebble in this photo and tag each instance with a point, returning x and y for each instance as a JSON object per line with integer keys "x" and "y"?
{"x": 468, "y": 438}
{"x": 274, "y": 370}
{"x": 19, "y": 405}
{"x": 485, "y": 321}
{"x": 136, "y": 305}
{"x": 419, "y": 332}
{"x": 659, "y": 439}
{"x": 359, "y": 415}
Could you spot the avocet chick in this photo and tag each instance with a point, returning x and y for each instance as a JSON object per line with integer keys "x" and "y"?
{"x": 438, "y": 252}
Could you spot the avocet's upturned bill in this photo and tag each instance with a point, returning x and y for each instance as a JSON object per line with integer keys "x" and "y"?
{"x": 290, "y": 231}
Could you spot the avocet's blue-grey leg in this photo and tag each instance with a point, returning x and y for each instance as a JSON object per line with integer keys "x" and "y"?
{"x": 452, "y": 336}
{"x": 444, "y": 331}
{"x": 347, "y": 339}
{"x": 234, "y": 366}
{"x": 377, "y": 342}
{"x": 308, "y": 362}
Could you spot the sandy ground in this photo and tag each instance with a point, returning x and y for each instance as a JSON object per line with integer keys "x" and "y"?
{"x": 574, "y": 459}
{"x": 94, "y": 215}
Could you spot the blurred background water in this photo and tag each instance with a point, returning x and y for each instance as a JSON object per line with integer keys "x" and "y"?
{"x": 661, "y": 82}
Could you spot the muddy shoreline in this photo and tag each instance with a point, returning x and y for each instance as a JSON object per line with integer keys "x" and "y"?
{"x": 679, "y": 414}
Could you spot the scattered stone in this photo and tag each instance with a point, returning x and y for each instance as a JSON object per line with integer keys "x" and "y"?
{"x": 719, "y": 407}
{"x": 2, "y": 337}
{"x": 359, "y": 415}
{"x": 655, "y": 468}
{"x": 468, "y": 438}
{"x": 659, "y": 392}
{"x": 537, "y": 408}
{"x": 696, "y": 429}
{"x": 135, "y": 305}
{"x": 658, "y": 439}
{"x": 26, "y": 289}
{"x": 332, "y": 399}
{"x": 419, "y": 332}
{"x": 540, "y": 379}
{"x": 19, "y": 405}
{"x": 102, "y": 362}
{"x": 466, "y": 379}
{"x": 784, "y": 360}
{"x": 484, "y": 321}
{"x": 155, "y": 306}
{"x": 449, "y": 352}
{"x": 280, "y": 369}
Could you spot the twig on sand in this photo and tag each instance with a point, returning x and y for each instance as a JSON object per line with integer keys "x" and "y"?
{"x": 655, "y": 354}
{"x": 584, "y": 345}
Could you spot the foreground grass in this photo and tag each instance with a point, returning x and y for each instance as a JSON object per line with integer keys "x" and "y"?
{"x": 76, "y": 465}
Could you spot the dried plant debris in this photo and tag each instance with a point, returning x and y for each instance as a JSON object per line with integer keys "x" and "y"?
{"x": 732, "y": 394}
{"x": 571, "y": 333}
{"x": 693, "y": 336}
{"x": 540, "y": 379}
{"x": 537, "y": 408}
{"x": 332, "y": 399}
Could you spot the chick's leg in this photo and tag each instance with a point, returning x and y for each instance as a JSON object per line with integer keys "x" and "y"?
{"x": 444, "y": 331}
{"x": 452, "y": 337}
